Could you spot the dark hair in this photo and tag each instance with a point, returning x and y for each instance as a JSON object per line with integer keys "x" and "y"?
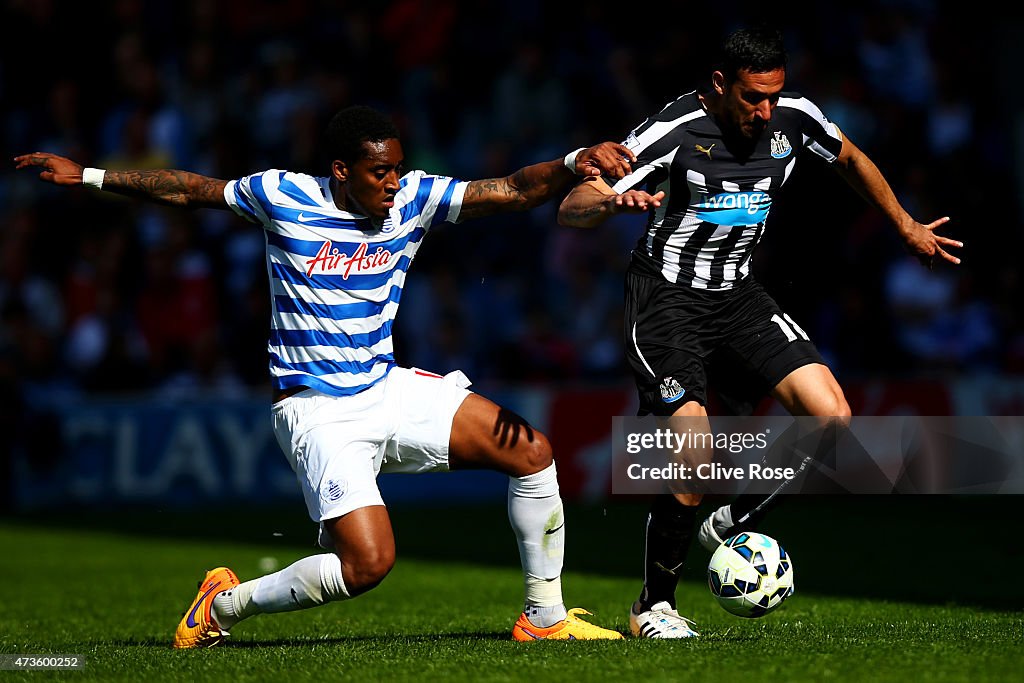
{"x": 353, "y": 126}
{"x": 757, "y": 49}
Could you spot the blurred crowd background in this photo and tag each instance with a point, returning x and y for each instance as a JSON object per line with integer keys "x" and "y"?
{"x": 99, "y": 294}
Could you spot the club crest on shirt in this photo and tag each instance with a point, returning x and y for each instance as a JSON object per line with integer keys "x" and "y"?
{"x": 332, "y": 491}
{"x": 671, "y": 391}
{"x": 330, "y": 260}
{"x": 780, "y": 145}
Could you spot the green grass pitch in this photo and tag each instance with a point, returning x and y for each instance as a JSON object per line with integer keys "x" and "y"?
{"x": 887, "y": 590}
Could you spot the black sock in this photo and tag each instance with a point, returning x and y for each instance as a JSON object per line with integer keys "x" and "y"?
{"x": 749, "y": 509}
{"x": 669, "y": 530}
{"x": 819, "y": 448}
{"x": 790, "y": 450}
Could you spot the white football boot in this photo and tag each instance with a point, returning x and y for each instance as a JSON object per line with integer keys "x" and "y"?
{"x": 660, "y": 621}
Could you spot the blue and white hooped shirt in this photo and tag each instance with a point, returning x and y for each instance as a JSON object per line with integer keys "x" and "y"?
{"x": 335, "y": 278}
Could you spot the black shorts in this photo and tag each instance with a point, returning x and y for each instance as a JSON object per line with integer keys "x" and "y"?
{"x": 681, "y": 341}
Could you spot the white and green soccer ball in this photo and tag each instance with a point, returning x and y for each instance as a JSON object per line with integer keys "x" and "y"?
{"x": 750, "y": 574}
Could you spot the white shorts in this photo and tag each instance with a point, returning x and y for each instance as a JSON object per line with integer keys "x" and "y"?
{"x": 336, "y": 445}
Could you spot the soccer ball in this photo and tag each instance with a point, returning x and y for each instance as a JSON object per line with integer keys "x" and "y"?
{"x": 750, "y": 574}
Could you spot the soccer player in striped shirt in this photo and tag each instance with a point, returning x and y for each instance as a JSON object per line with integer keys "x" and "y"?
{"x": 709, "y": 166}
{"x": 337, "y": 251}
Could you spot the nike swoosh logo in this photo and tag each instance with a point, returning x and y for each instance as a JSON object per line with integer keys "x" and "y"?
{"x": 551, "y": 531}
{"x": 536, "y": 637}
{"x": 191, "y": 621}
{"x": 306, "y": 219}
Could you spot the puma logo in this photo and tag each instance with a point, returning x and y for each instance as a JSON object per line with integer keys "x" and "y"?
{"x": 705, "y": 150}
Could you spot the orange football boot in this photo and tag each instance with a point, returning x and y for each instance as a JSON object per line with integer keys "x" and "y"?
{"x": 197, "y": 627}
{"x": 570, "y": 628}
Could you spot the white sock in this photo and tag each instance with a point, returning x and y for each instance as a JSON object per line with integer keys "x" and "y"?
{"x": 310, "y": 582}
{"x": 535, "y": 511}
{"x": 545, "y": 616}
{"x": 722, "y": 520}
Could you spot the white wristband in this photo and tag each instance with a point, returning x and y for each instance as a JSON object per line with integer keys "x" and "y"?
{"x": 570, "y": 159}
{"x": 93, "y": 176}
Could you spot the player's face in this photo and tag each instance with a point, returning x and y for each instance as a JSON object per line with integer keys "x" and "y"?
{"x": 750, "y": 98}
{"x": 372, "y": 182}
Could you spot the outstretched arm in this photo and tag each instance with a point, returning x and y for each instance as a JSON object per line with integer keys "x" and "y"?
{"x": 592, "y": 202}
{"x": 863, "y": 176}
{"x": 177, "y": 188}
{"x": 533, "y": 185}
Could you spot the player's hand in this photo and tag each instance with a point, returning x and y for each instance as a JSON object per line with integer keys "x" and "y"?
{"x": 609, "y": 159}
{"x": 634, "y": 201}
{"x": 57, "y": 170}
{"x": 927, "y": 246}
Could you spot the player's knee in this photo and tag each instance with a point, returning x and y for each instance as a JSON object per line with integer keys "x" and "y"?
{"x": 537, "y": 454}
{"x": 366, "y": 571}
{"x": 841, "y": 410}
{"x": 836, "y": 412}
{"x": 832, "y": 408}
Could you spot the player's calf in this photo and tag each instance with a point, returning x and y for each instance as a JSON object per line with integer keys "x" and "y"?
{"x": 366, "y": 573}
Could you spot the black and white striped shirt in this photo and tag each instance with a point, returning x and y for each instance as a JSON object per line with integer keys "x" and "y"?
{"x": 704, "y": 233}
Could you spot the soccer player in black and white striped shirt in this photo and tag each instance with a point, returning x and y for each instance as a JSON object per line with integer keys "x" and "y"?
{"x": 708, "y": 167}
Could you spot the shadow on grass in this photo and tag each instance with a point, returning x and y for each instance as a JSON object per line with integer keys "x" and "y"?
{"x": 414, "y": 638}
{"x": 923, "y": 549}
{"x": 404, "y": 638}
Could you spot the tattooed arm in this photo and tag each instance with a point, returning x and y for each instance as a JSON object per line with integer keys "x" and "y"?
{"x": 177, "y": 188}
{"x": 533, "y": 185}
{"x": 592, "y": 201}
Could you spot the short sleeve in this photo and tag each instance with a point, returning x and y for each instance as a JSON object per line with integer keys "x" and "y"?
{"x": 435, "y": 199}
{"x": 250, "y": 197}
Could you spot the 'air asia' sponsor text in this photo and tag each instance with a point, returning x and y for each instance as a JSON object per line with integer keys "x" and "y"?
{"x": 329, "y": 259}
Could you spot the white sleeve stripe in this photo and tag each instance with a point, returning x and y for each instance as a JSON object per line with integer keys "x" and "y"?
{"x": 433, "y": 203}
{"x": 455, "y": 206}
{"x": 637, "y": 176}
{"x": 660, "y": 129}
{"x": 229, "y": 197}
{"x": 822, "y": 152}
{"x": 809, "y": 108}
